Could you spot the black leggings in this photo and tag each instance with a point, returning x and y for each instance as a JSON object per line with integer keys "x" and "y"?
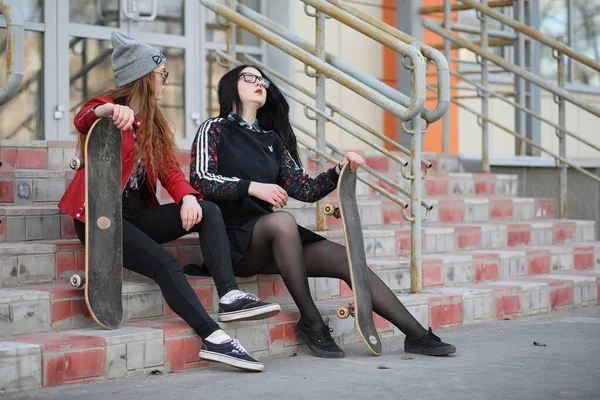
{"x": 276, "y": 248}
{"x": 146, "y": 228}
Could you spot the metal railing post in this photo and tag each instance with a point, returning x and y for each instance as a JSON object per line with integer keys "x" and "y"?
{"x": 485, "y": 133}
{"x": 321, "y": 106}
{"x": 230, "y": 32}
{"x": 15, "y": 51}
{"x": 447, "y": 54}
{"x": 416, "y": 277}
{"x": 520, "y": 84}
{"x": 562, "y": 137}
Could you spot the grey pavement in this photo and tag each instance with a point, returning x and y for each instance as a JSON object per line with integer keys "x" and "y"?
{"x": 494, "y": 361}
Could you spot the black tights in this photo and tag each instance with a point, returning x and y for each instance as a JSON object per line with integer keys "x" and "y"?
{"x": 276, "y": 248}
{"x": 145, "y": 228}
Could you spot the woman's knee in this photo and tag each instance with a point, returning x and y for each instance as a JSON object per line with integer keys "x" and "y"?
{"x": 283, "y": 223}
{"x": 210, "y": 212}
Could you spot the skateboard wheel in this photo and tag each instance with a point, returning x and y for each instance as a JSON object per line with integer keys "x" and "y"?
{"x": 77, "y": 280}
{"x": 328, "y": 209}
{"x": 343, "y": 312}
{"x": 76, "y": 163}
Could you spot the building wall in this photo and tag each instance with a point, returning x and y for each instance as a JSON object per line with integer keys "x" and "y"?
{"x": 364, "y": 53}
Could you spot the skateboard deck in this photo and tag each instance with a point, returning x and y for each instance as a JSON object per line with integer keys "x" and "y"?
{"x": 362, "y": 308}
{"x": 103, "y": 278}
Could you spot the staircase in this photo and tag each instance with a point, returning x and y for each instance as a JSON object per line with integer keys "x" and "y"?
{"x": 487, "y": 255}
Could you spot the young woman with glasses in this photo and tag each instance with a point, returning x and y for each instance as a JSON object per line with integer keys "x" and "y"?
{"x": 246, "y": 161}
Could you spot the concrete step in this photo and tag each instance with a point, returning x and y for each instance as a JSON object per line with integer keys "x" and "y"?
{"x": 168, "y": 345}
{"x": 384, "y": 212}
{"x": 23, "y": 263}
{"x": 34, "y": 222}
{"x": 32, "y": 186}
{"x": 58, "y": 306}
{"x": 56, "y": 260}
{"x": 448, "y": 238}
{"x": 456, "y": 184}
{"x": 20, "y": 223}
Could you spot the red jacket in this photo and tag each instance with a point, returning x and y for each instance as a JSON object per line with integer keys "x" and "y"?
{"x": 171, "y": 177}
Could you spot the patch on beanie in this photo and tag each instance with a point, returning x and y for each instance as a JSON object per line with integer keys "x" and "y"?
{"x": 158, "y": 58}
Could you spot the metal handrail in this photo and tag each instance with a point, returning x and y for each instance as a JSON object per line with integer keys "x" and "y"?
{"x": 15, "y": 51}
{"x": 340, "y": 64}
{"x": 314, "y": 62}
{"x": 462, "y": 7}
{"x": 334, "y": 109}
{"x": 531, "y": 77}
{"x": 428, "y": 207}
{"x": 441, "y": 63}
{"x": 524, "y": 109}
{"x": 417, "y": 66}
{"x": 532, "y": 33}
{"x": 521, "y": 137}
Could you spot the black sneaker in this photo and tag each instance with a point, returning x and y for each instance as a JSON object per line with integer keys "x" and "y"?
{"x": 429, "y": 345}
{"x": 230, "y": 353}
{"x": 247, "y": 307}
{"x": 319, "y": 341}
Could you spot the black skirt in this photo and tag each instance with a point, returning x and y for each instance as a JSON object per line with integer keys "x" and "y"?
{"x": 239, "y": 238}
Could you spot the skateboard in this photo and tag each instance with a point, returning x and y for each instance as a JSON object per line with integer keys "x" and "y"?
{"x": 103, "y": 279}
{"x": 362, "y": 307}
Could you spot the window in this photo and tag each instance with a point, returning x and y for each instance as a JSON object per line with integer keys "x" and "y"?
{"x": 577, "y": 21}
{"x": 22, "y": 117}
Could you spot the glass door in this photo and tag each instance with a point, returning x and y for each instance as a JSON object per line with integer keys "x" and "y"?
{"x": 169, "y": 25}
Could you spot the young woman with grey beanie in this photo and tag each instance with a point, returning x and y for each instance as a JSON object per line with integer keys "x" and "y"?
{"x": 149, "y": 152}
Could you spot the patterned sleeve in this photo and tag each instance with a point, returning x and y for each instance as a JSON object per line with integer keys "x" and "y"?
{"x": 301, "y": 186}
{"x": 204, "y": 164}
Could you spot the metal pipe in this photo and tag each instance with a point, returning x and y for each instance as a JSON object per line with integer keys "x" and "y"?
{"x": 520, "y": 86}
{"x": 416, "y": 186}
{"x": 447, "y": 54}
{"x": 15, "y": 51}
{"x": 371, "y": 171}
{"x": 440, "y": 61}
{"x": 532, "y": 33}
{"x": 491, "y": 32}
{"x": 230, "y": 34}
{"x": 312, "y": 61}
{"x": 417, "y": 62}
{"x": 462, "y": 7}
{"x": 562, "y": 139}
{"x": 525, "y": 110}
{"x": 416, "y": 278}
{"x": 340, "y": 64}
{"x": 333, "y": 108}
{"x": 485, "y": 101}
{"x": 384, "y": 192}
{"x": 320, "y": 105}
{"x": 525, "y": 139}
{"x": 513, "y": 68}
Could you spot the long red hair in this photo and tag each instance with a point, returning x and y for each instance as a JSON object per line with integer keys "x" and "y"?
{"x": 156, "y": 141}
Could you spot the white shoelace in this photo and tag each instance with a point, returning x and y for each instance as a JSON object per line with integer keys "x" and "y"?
{"x": 237, "y": 346}
{"x": 240, "y": 295}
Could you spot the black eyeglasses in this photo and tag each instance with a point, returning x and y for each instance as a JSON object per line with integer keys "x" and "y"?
{"x": 164, "y": 74}
{"x": 251, "y": 78}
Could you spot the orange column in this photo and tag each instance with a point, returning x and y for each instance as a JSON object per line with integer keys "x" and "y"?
{"x": 432, "y": 139}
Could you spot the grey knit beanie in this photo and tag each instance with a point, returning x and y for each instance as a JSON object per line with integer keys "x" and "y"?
{"x": 132, "y": 59}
